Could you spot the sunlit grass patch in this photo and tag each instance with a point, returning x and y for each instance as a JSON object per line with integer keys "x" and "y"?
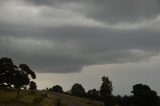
{"x": 7, "y": 96}
{"x": 88, "y": 101}
{"x": 39, "y": 98}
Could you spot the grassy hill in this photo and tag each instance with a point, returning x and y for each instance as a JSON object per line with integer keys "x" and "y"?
{"x": 88, "y": 101}
{"x": 39, "y": 98}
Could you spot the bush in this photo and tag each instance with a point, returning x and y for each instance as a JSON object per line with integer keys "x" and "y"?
{"x": 32, "y": 92}
{"x": 44, "y": 94}
{"x": 38, "y": 100}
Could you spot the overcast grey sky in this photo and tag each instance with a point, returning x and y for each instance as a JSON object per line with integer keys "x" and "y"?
{"x": 87, "y": 38}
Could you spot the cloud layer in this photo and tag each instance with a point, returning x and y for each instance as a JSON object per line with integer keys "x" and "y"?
{"x": 64, "y": 36}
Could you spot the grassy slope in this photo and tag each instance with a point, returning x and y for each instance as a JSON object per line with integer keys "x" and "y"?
{"x": 87, "y": 101}
{"x": 9, "y": 97}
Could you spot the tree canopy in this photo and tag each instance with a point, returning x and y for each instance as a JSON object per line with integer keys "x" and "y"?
{"x": 144, "y": 96}
{"x": 106, "y": 87}
{"x": 10, "y": 74}
{"x": 7, "y": 71}
{"x": 93, "y": 94}
{"x": 32, "y": 85}
{"x": 106, "y": 92}
{"x": 78, "y": 90}
{"x": 57, "y": 88}
{"x": 27, "y": 70}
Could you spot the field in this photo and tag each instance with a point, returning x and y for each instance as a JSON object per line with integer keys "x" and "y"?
{"x": 84, "y": 101}
{"x": 39, "y": 98}
{"x": 87, "y": 101}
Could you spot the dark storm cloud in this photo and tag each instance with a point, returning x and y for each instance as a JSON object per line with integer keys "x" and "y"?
{"x": 124, "y": 10}
{"x": 110, "y": 11}
{"x": 52, "y": 2}
{"x": 65, "y": 38}
{"x": 82, "y": 46}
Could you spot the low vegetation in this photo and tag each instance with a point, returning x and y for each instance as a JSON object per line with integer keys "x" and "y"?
{"x": 39, "y": 98}
{"x": 87, "y": 101}
{"x": 17, "y": 89}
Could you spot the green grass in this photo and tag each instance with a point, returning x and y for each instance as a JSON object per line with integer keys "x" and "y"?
{"x": 26, "y": 99}
{"x": 58, "y": 101}
{"x": 49, "y": 101}
{"x": 7, "y": 96}
{"x": 86, "y": 100}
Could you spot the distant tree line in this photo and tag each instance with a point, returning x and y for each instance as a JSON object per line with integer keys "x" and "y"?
{"x": 143, "y": 95}
{"x": 12, "y": 76}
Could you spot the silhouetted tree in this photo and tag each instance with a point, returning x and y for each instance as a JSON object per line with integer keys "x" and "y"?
{"x": 57, "y": 88}
{"x": 119, "y": 100}
{"x": 93, "y": 94}
{"x": 144, "y": 96}
{"x": 127, "y": 101}
{"x": 7, "y": 69}
{"x": 32, "y": 85}
{"x": 11, "y": 75}
{"x": 106, "y": 92}
{"x": 25, "y": 68}
{"x": 20, "y": 79}
{"x": 78, "y": 90}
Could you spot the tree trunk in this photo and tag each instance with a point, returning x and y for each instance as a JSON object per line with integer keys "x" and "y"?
{"x": 18, "y": 93}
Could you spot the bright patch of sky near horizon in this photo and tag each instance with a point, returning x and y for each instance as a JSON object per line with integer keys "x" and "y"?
{"x": 123, "y": 76}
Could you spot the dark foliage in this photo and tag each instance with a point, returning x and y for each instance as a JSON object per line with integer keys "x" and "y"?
{"x": 94, "y": 94}
{"x": 106, "y": 92}
{"x": 7, "y": 71}
{"x": 57, "y": 88}
{"x": 144, "y": 96}
{"x": 78, "y": 90}
{"x": 32, "y": 85}
{"x": 10, "y": 74}
{"x": 27, "y": 70}
{"x": 118, "y": 100}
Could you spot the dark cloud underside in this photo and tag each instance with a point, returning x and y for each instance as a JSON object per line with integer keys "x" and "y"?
{"x": 66, "y": 35}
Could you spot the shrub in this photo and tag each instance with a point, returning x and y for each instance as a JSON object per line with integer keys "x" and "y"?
{"x": 38, "y": 100}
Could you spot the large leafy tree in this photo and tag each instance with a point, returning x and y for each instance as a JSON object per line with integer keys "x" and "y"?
{"x": 20, "y": 79}
{"x": 7, "y": 69}
{"x": 78, "y": 90}
{"x": 32, "y": 85}
{"x": 10, "y": 74}
{"x": 106, "y": 92}
{"x": 25, "y": 68}
{"x": 93, "y": 94}
{"x": 57, "y": 88}
{"x": 144, "y": 96}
